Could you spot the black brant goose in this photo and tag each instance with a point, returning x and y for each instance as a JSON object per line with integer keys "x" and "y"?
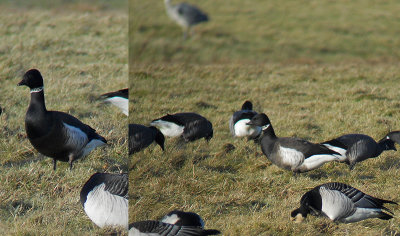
{"x": 290, "y": 153}
{"x": 238, "y": 122}
{"x": 155, "y": 228}
{"x": 185, "y": 15}
{"x": 341, "y": 203}
{"x": 359, "y": 147}
{"x": 119, "y": 99}
{"x": 190, "y": 126}
{"x": 141, "y": 137}
{"x": 56, "y": 134}
{"x": 183, "y": 218}
{"x": 104, "y": 198}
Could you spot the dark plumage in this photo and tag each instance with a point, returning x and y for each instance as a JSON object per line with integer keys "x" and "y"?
{"x": 293, "y": 154}
{"x": 359, "y": 147}
{"x": 56, "y": 134}
{"x": 186, "y": 15}
{"x": 183, "y": 218}
{"x": 104, "y": 198}
{"x": 342, "y": 203}
{"x": 119, "y": 99}
{"x": 189, "y": 126}
{"x": 238, "y": 122}
{"x": 153, "y": 228}
{"x": 141, "y": 137}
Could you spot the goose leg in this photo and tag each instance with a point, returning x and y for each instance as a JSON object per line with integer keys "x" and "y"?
{"x": 54, "y": 164}
{"x": 70, "y": 161}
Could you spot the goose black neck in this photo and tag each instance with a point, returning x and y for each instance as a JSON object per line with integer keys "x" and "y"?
{"x": 384, "y": 145}
{"x": 269, "y": 132}
{"x": 37, "y": 101}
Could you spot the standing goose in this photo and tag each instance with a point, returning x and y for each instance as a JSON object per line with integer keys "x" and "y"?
{"x": 190, "y": 126}
{"x": 104, "y": 198}
{"x": 157, "y": 228}
{"x": 341, "y": 203}
{"x": 355, "y": 148}
{"x": 238, "y": 122}
{"x": 56, "y": 134}
{"x": 293, "y": 154}
{"x": 185, "y": 15}
{"x": 119, "y": 99}
{"x": 141, "y": 137}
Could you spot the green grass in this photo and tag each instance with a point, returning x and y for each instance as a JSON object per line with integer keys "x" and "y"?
{"x": 81, "y": 54}
{"x": 317, "y": 69}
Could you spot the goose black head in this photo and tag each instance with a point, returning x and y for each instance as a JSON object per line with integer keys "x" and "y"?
{"x": 160, "y": 139}
{"x": 32, "y": 78}
{"x": 261, "y": 120}
{"x": 183, "y": 219}
{"x": 247, "y": 105}
{"x": 395, "y": 137}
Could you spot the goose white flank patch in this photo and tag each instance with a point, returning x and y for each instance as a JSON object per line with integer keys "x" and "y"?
{"x": 359, "y": 147}
{"x": 190, "y": 126}
{"x": 238, "y": 122}
{"x": 104, "y": 198}
{"x": 185, "y": 15}
{"x": 183, "y": 218}
{"x": 293, "y": 154}
{"x": 141, "y": 137}
{"x": 341, "y": 203}
{"x": 158, "y": 228}
{"x": 52, "y": 133}
{"x": 119, "y": 99}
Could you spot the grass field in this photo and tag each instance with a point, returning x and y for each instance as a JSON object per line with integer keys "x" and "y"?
{"x": 317, "y": 69}
{"x": 81, "y": 51}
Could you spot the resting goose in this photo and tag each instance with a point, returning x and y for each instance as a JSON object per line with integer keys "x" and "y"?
{"x": 355, "y": 148}
{"x": 104, "y": 198}
{"x": 238, "y": 122}
{"x": 341, "y": 203}
{"x": 190, "y": 126}
{"x": 293, "y": 154}
{"x": 119, "y": 99}
{"x": 141, "y": 137}
{"x": 157, "y": 228}
{"x": 183, "y": 218}
{"x": 56, "y": 134}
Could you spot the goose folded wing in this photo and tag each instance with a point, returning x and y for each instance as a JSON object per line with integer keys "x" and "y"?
{"x": 72, "y": 121}
{"x": 307, "y": 148}
{"x": 117, "y": 185}
{"x": 160, "y": 228}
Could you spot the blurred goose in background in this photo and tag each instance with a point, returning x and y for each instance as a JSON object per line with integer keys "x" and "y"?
{"x": 238, "y": 122}
{"x": 56, "y": 134}
{"x": 341, "y": 203}
{"x": 141, "y": 137}
{"x": 119, "y": 99}
{"x": 189, "y": 126}
{"x": 185, "y": 15}
{"x": 104, "y": 198}
{"x": 355, "y": 148}
{"x": 293, "y": 154}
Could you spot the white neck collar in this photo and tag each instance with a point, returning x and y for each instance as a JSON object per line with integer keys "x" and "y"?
{"x": 36, "y": 90}
{"x": 265, "y": 127}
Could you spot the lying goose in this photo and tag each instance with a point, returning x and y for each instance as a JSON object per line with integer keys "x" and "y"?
{"x": 341, "y": 203}
{"x": 190, "y": 126}
{"x": 183, "y": 218}
{"x": 359, "y": 147}
{"x": 56, "y": 134}
{"x": 119, "y": 99}
{"x": 155, "y": 228}
{"x": 104, "y": 198}
{"x": 293, "y": 154}
{"x": 238, "y": 122}
{"x": 141, "y": 137}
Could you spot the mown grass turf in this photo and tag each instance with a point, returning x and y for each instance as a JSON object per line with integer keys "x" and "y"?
{"x": 318, "y": 69}
{"x": 81, "y": 54}
{"x": 240, "y": 192}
